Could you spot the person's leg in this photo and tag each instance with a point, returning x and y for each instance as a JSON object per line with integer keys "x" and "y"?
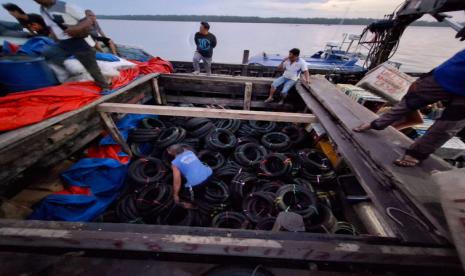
{"x": 274, "y": 86}
{"x": 196, "y": 62}
{"x": 112, "y": 47}
{"x": 56, "y": 55}
{"x": 288, "y": 85}
{"x": 207, "y": 63}
{"x": 436, "y": 136}
{"x": 88, "y": 60}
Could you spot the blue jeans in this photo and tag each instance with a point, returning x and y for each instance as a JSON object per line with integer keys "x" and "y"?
{"x": 288, "y": 84}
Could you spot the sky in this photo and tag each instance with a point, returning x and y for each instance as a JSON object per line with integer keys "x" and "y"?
{"x": 262, "y": 8}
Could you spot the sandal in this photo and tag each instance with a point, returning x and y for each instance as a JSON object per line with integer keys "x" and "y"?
{"x": 407, "y": 162}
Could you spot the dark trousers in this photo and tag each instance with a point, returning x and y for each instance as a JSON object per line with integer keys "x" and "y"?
{"x": 422, "y": 93}
{"x": 85, "y": 54}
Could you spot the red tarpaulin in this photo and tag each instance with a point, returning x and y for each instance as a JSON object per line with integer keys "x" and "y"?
{"x": 26, "y": 108}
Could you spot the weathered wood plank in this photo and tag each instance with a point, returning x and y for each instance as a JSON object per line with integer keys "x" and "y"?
{"x": 383, "y": 148}
{"x": 156, "y": 91}
{"x": 115, "y": 133}
{"x": 228, "y": 102}
{"x": 209, "y": 113}
{"x": 16, "y": 136}
{"x": 247, "y": 95}
{"x": 221, "y": 242}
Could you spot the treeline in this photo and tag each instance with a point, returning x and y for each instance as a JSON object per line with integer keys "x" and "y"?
{"x": 250, "y": 19}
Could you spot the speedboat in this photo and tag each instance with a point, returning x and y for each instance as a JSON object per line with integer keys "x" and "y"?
{"x": 332, "y": 59}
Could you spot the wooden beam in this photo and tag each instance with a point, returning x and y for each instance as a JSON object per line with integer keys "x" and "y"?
{"x": 208, "y": 113}
{"x": 156, "y": 91}
{"x": 115, "y": 133}
{"x": 247, "y": 95}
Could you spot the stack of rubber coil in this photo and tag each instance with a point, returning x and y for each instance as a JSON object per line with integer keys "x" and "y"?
{"x": 260, "y": 169}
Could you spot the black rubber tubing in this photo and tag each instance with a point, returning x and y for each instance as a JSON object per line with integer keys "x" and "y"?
{"x": 250, "y": 154}
{"x": 147, "y": 170}
{"x": 276, "y": 141}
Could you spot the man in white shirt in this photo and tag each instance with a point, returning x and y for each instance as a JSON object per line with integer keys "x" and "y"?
{"x": 71, "y": 27}
{"x": 293, "y": 67}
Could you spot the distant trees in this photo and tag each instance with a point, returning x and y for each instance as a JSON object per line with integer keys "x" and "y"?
{"x": 253, "y": 19}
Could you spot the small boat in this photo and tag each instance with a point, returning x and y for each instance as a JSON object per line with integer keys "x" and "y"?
{"x": 333, "y": 59}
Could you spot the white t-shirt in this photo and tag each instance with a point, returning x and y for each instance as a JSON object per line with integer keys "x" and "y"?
{"x": 65, "y": 13}
{"x": 293, "y": 71}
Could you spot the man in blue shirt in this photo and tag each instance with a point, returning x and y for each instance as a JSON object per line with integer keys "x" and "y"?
{"x": 445, "y": 84}
{"x": 187, "y": 164}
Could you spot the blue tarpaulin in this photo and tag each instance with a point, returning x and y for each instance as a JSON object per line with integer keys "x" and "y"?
{"x": 104, "y": 177}
{"x": 35, "y": 46}
{"x": 129, "y": 122}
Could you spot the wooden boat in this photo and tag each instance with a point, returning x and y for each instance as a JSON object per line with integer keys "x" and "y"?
{"x": 404, "y": 226}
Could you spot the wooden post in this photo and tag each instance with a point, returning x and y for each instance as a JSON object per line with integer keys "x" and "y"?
{"x": 245, "y": 61}
{"x": 156, "y": 91}
{"x": 115, "y": 133}
{"x": 248, "y": 95}
{"x": 245, "y": 57}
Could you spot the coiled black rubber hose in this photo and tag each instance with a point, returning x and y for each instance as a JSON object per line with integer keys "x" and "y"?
{"x": 170, "y": 136}
{"x": 152, "y": 123}
{"x": 276, "y": 141}
{"x": 270, "y": 186}
{"x": 316, "y": 167}
{"x": 296, "y": 134}
{"x": 230, "y": 220}
{"x": 216, "y": 192}
{"x": 255, "y": 129}
{"x": 266, "y": 224}
{"x": 242, "y": 185}
{"x": 323, "y": 221}
{"x": 143, "y": 135}
{"x": 276, "y": 165}
{"x": 297, "y": 199}
{"x": 263, "y": 126}
{"x": 126, "y": 210}
{"x": 214, "y": 160}
{"x": 249, "y": 155}
{"x": 153, "y": 201}
{"x": 258, "y": 206}
{"x": 199, "y": 127}
{"x": 229, "y": 124}
{"x": 220, "y": 140}
{"x": 304, "y": 183}
{"x": 147, "y": 171}
{"x": 178, "y": 215}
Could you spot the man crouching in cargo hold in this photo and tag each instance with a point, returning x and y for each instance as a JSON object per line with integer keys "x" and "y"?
{"x": 71, "y": 28}
{"x": 445, "y": 84}
{"x": 205, "y": 42}
{"x": 293, "y": 67}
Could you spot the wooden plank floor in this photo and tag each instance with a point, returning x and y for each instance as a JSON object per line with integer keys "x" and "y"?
{"x": 383, "y": 148}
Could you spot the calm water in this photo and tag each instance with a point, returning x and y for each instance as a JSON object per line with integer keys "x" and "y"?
{"x": 421, "y": 49}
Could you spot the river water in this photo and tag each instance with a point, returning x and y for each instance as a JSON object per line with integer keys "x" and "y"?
{"x": 421, "y": 48}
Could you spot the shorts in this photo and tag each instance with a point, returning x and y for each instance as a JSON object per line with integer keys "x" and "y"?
{"x": 288, "y": 84}
{"x": 195, "y": 193}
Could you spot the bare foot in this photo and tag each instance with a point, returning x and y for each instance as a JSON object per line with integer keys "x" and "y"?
{"x": 407, "y": 161}
{"x": 281, "y": 102}
{"x": 269, "y": 100}
{"x": 362, "y": 128}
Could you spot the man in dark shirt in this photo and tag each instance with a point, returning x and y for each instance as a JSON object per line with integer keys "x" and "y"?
{"x": 23, "y": 18}
{"x": 445, "y": 84}
{"x": 205, "y": 42}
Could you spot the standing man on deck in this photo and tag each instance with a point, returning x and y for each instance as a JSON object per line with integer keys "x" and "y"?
{"x": 445, "y": 84}
{"x": 205, "y": 42}
{"x": 293, "y": 67}
{"x": 71, "y": 27}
